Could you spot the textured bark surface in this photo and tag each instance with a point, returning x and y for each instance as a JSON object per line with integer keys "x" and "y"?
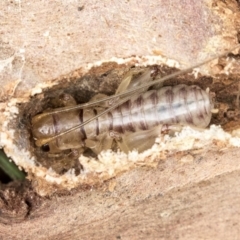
{"x": 194, "y": 200}
{"x": 42, "y": 40}
{"x": 188, "y": 196}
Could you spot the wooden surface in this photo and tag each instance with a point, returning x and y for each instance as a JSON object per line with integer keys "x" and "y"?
{"x": 188, "y": 195}
{"x": 196, "y": 200}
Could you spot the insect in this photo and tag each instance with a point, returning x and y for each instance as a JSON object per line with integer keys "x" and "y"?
{"x": 132, "y": 118}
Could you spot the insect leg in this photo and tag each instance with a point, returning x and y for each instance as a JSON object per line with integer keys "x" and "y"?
{"x": 140, "y": 140}
{"x": 98, "y": 97}
{"x": 143, "y": 140}
{"x": 129, "y": 82}
{"x": 103, "y": 142}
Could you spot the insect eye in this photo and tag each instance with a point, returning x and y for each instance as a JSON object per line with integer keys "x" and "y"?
{"x": 45, "y": 148}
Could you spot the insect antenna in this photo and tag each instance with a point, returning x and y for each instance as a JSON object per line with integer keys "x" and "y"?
{"x": 139, "y": 88}
{"x": 125, "y": 95}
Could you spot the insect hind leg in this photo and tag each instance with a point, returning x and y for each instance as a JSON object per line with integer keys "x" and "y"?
{"x": 131, "y": 82}
{"x": 98, "y": 97}
{"x": 101, "y": 143}
{"x": 137, "y": 140}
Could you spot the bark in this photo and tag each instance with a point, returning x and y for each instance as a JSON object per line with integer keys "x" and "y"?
{"x": 189, "y": 195}
{"x": 192, "y": 200}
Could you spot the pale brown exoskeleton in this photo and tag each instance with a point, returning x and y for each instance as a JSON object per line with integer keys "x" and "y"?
{"x": 132, "y": 118}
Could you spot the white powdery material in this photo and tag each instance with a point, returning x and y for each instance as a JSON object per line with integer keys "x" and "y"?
{"x": 138, "y": 61}
{"x": 29, "y": 161}
{"x": 228, "y": 68}
{"x": 38, "y": 89}
{"x": 113, "y": 59}
{"x": 152, "y": 60}
{"x": 7, "y": 140}
{"x": 133, "y": 156}
{"x": 109, "y": 161}
{"x": 190, "y": 138}
{"x": 4, "y": 140}
{"x": 11, "y": 110}
{"x": 235, "y": 141}
{"x": 23, "y": 159}
{"x": 91, "y": 164}
{"x": 52, "y": 179}
{"x": 150, "y": 154}
{"x": 68, "y": 179}
{"x": 195, "y": 72}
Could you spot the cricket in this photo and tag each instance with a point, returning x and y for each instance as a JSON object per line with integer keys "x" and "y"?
{"x": 131, "y": 119}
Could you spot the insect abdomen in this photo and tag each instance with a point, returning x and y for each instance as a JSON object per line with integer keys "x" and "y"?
{"x": 178, "y": 105}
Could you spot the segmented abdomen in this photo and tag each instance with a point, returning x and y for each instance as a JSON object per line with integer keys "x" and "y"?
{"x": 178, "y": 105}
